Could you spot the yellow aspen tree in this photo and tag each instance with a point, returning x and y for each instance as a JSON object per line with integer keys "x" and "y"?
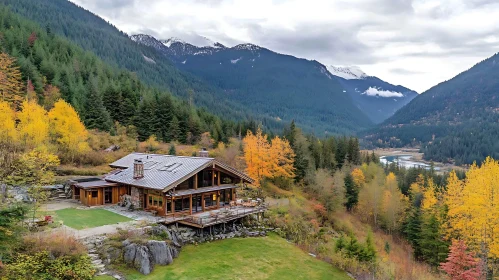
{"x": 394, "y": 203}
{"x": 370, "y": 202}
{"x": 453, "y": 198}
{"x": 257, "y": 155}
{"x": 8, "y": 132}
{"x": 358, "y": 177}
{"x": 474, "y": 213}
{"x": 67, "y": 130}
{"x": 429, "y": 197}
{"x": 33, "y": 125}
{"x": 282, "y": 158}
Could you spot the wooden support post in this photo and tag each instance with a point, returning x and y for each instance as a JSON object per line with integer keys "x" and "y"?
{"x": 218, "y": 178}
{"x": 196, "y": 181}
{"x": 218, "y": 199}
{"x": 172, "y": 206}
{"x": 190, "y": 208}
{"x": 213, "y": 178}
{"x": 202, "y": 202}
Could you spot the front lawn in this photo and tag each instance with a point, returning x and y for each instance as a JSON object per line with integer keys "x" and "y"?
{"x": 81, "y": 219}
{"x": 270, "y": 257}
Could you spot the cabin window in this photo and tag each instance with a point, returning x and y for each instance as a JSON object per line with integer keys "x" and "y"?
{"x": 186, "y": 203}
{"x": 155, "y": 201}
{"x": 178, "y": 205}
{"x": 95, "y": 194}
{"x": 210, "y": 200}
{"x": 168, "y": 206}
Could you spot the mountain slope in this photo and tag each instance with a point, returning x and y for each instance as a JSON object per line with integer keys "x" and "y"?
{"x": 378, "y": 99}
{"x": 280, "y": 86}
{"x": 115, "y": 47}
{"x": 457, "y": 120}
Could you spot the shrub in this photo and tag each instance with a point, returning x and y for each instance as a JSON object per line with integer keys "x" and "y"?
{"x": 56, "y": 244}
{"x": 42, "y": 266}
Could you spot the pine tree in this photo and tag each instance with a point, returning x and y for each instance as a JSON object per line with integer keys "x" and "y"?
{"x": 174, "y": 130}
{"x": 351, "y": 192}
{"x": 164, "y": 115}
{"x": 433, "y": 248}
{"x": 96, "y": 115}
{"x": 172, "y": 150}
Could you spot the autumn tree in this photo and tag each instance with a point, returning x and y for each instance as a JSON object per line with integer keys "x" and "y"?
{"x": 8, "y": 141}
{"x": 67, "y": 130}
{"x": 10, "y": 81}
{"x": 51, "y": 95}
{"x": 32, "y": 170}
{"x": 33, "y": 125}
{"x": 461, "y": 264}
{"x": 282, "y": 158}
{"x": 473, "y": 208}
{"x": 257, "y": 155}
{"x": 394, "y": 204}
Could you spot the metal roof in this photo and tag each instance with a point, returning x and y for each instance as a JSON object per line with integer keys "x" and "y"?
{"x": 95, "y": 184}
{"x": 163, "y": 172}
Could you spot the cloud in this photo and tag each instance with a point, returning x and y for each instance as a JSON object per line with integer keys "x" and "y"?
{"x": 416, "y": 43}
{"x": 372, "y": 91}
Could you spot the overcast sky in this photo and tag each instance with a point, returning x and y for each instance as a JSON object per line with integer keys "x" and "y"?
{"x": 415, "y": 43}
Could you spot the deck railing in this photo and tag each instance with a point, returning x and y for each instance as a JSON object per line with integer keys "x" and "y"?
{"x": 224, "y": 215}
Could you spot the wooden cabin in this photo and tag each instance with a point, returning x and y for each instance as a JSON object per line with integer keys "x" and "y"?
{"x": 165, "y": 184}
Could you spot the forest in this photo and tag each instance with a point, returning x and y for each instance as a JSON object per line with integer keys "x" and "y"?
{"x": 50, "y": 66}
{"x": 453, "y": 122}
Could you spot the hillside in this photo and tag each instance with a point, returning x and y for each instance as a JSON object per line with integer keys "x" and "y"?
{"x": 94, "y": 34}
{"x": 457, "y": 120}
{"x": 268, "y": 83}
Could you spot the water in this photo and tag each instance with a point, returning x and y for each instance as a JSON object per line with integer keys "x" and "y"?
{"x": 406, "y": 161}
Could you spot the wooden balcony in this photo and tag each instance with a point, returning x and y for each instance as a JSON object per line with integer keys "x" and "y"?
{"x": 216, "y": 216}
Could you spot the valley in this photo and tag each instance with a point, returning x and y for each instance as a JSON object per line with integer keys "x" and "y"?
{"x": 222, "y": 139}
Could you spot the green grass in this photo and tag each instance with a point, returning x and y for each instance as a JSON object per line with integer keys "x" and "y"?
{"x": 270, "y": 257}
{"x": 81, "y": 219}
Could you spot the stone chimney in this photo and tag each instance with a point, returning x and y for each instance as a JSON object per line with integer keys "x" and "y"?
{"x": 203, "y": 153}
{"x": 138, "y": 169}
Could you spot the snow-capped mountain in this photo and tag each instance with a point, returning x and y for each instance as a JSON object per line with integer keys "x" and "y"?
{"x": 347, "y": 72}
{"x": 261, "y": 72}
{"x": 282, "y": 86}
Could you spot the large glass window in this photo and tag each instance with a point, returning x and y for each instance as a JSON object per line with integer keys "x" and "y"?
{"x": 178, "y": 205}
{"x": 186, "y": 202}
{"x": 210, "y": 200}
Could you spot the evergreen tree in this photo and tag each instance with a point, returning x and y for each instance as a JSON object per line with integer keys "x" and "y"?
{"x": 433, "y": 248}
{"x": 351, "y": 192}
{"x": 172, "y": 150}
{"x": 95, "y": 115}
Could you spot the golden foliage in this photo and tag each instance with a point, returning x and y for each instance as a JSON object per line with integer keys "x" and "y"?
{"x": 394, "y": 203}
{"x": 358, "y": 177}
{"x": 33, "y": 125}
{"x": 257, "y": 156}
{"x": 264, "y": 159}
{"x": 67, "y": 129}
{"x": 282, "y": 158}
{"x": 473, "y": 207}
{"x": 7, "y": 124}
{"x": 10, "y": 80}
